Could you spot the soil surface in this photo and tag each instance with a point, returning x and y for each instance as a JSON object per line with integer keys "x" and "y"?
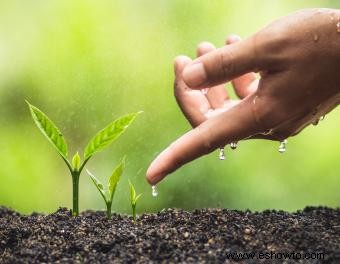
{"x": 175, "y": 236}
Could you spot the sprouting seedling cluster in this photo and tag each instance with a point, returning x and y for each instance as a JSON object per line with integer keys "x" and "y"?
{"x": 101, "y": 140}
{"x": 108, "y": 193}
{"x": 133, "y": 199}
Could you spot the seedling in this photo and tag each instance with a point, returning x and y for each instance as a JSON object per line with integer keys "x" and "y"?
{"x": 133, "y": 199}
{"x": 108, "y": 193}
{"x": 101, "y": 140}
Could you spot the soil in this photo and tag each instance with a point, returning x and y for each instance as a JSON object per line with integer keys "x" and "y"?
{"x": 175, "y": 236}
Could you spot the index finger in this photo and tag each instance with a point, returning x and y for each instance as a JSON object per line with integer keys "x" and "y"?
{"x": 233, "y": 125}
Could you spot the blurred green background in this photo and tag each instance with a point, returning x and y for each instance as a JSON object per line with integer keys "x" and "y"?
{"x": 85, "y": 62}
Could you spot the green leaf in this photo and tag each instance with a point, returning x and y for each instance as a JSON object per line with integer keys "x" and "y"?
{"x": 49, "y": 130}
{"x": 132, "y": 193}
{"x": 133, "y": 196}
{"x": 115, "y": 177}
{"x": 138, "y": 196}
{"x": 98, "y": 184}
{"x": 76, "y": 161}
{"x": 107, "y": 135}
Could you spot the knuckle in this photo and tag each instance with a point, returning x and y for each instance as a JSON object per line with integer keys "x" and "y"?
{"x": 227, "y": 62}
{"x": 173, "y": 158}
{"x": 204, "y": 47}
{"x": 272, "y": 45}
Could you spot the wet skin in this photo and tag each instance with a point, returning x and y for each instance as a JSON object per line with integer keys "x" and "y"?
{"x": 298, "y": 60}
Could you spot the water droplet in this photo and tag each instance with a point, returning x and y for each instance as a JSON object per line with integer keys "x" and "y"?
{"x": 233, "y": 145}
{"x": 268, "y": 132}
{"x": 221, "y": 155}
{"x": 205, "y": 91}
{"x": 316, "y": 37}
{"x": 315, "y": 122}
{"x": 254, "y": 100}
{"x": 154, "y": 191}
{"x": 282, "y": 147}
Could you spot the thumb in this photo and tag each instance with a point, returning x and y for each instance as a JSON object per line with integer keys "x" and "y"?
{"x": 221, "y": 65}
{"x": 233, "y": 125}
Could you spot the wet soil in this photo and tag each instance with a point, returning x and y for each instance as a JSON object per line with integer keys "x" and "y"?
{"x": 172, "y": 236}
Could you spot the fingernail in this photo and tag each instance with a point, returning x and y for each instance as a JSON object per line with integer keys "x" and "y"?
{"x": 152, "y": 175}
{"x": 195, "y": 75}
{"x": 234, "y": 38}
{"x": 180, "y": 62}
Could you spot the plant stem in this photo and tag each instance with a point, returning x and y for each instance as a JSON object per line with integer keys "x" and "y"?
{"x": 75, "y": 188}
{"x": 75, "y": 185}
{"x": 108, "y": 210}
{"x": 134, "y": 213}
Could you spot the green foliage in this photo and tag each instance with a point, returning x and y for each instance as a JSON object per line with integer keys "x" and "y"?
{"x": 98, "y": 185}
{"x": 109, "y": 134}
{"x": 99, "y": 141}
{"x": 115, "y": 177}
{"x": 49, "y": 130}
{"x": 111, "y": 185}
{"x": 133, "y": 200}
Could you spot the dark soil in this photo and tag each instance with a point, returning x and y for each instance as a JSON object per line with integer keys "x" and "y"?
{"x": 201, "y": 236}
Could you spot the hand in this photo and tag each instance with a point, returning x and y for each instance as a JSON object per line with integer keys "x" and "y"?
{"x": 199, "y": 105}
{"x": 298, "y": 58}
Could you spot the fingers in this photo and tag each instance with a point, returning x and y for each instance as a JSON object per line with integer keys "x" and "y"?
{"x": 193, "y": 103}
{"x": 221, "y": 65}
{"x": 247, "y": 83}
{"x": 217, "y": 94}
{"x": 232, "y": 125}
{"x": 204, "y": 48}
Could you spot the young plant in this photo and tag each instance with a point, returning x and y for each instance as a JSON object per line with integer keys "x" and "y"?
{"x": 108, "y": 193}
{"x": 101, "y": 140}
{"x": 133, "y": 199}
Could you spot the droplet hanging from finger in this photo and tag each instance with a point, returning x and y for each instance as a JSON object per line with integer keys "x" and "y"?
{"x": 221, "y": 155}
{"x": 282, "y": 147}
{"x": 233, "y": 145}
{"x": 154, "y": 190}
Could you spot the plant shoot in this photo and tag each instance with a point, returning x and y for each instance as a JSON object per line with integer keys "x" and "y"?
{"x": 108, "y": 193}
{"x": 101, "y": 140}
{"x": 133, "y": 200}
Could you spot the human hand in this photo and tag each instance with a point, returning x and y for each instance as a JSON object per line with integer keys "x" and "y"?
{"x": 199, "y": 105}
{"x": 297, "y": 57}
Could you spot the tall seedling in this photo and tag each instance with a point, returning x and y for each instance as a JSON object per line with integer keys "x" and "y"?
{"x": 101, "y": 140}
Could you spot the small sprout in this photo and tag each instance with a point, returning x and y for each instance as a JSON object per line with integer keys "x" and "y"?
{"x": 112, "y": 185}
{"x": 133, "y": 199}
{"x": 76, "y": 162}
{"x": 101, "y": 140}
